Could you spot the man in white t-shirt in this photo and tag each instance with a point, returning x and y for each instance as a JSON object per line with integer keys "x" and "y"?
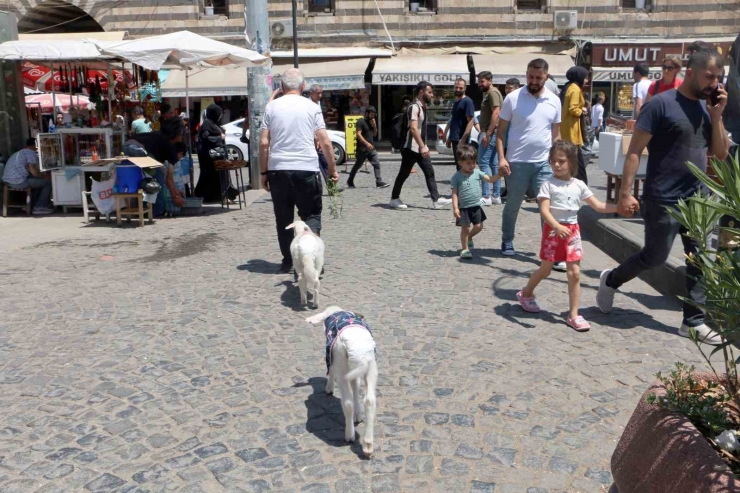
{"x": 597, "y": 114}
{"x": 288, "y": 160}
{"x": 640, "y": 88}
{"x": 531, "y": 115}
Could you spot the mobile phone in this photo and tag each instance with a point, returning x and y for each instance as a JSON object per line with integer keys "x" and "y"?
{"x": 714, "y": 98}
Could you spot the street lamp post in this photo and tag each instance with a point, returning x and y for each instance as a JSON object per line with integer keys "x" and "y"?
{"x": 295, "y": 33}
{"x": 259, "y": 80}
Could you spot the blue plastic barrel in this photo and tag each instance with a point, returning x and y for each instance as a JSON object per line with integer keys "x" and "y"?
{"x": 127, "y": 178}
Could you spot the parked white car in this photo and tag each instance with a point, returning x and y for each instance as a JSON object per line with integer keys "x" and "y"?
{"x": 442, "y": 145}
{"x": 236, "y": 149}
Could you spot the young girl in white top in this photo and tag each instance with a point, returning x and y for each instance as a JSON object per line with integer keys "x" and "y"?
{"x": 560, "y": 199}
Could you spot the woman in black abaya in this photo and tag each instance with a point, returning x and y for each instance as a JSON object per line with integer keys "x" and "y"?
{"x": 211, "y": 181}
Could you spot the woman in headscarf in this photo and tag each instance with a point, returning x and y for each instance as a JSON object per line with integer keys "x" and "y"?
{"x": 574, "y": 108}
{"x": 210, "y": 182}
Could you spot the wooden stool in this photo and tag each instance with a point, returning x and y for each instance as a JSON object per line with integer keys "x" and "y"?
{"x": 614, "y": 184}
{"x": 128, "y": 211}
{"x": 7, "y": 190}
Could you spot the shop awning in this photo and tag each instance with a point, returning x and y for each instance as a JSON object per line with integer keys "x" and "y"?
{"x": 101, "y": 36}
{"x": 335, "y": 52}
{"x": 217, "y": 81}
{"x": 331, "y": 76}
{"x": 506, "y": 66}
{"x": 442, "y": 70}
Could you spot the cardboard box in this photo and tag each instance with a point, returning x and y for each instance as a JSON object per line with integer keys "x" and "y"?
{"x": 141, "y": 162}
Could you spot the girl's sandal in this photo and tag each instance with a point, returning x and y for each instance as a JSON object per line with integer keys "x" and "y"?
{"x": 528, "y": 304}
{"x": 579, "y": 324}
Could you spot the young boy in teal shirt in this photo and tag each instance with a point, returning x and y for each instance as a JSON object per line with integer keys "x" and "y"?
{"x": 466, "y": 195}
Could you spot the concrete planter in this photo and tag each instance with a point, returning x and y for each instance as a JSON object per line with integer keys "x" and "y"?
{"x": 661, "y": 451}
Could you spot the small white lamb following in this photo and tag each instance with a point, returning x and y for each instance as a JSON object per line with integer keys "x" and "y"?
{"x": 307, "y": 250}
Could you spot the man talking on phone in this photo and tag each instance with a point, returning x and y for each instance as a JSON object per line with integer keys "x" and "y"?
{"x": 676, "y": 128}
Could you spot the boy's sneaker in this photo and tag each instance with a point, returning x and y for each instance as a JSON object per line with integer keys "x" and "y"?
{"x": 382, "y": 184}
{"x": 441, "y": 203}
{"x": 496, "y": 201}
{"x": 470, "y": 244}
{"x": 507, "y": 248}
{"x": 605, "y": 294}
{"x": 466, "y": 254}
{"x": 397, "y": 204}
{"x": 706, "y": 335}
{"x": 486, "y": 201}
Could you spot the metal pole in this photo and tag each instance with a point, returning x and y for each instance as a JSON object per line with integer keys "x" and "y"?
{"x": 53, "y": 97}
{"x": 295, "y": 34}
{"x": 187, "y": 93}
{"x": 259, "y": 80}
{"x": 110, "y": 102}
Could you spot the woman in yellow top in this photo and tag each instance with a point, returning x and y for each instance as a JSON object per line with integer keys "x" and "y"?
{"x": 574, "y": 106}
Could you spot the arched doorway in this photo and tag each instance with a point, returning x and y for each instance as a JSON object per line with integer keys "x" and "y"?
{"x": 57, "y": 16}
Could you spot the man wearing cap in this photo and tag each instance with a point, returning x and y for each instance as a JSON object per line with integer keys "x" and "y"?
{"x": 367, "y": 129}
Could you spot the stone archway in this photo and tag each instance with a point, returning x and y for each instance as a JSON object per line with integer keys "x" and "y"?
{"x": 55, "y": 16}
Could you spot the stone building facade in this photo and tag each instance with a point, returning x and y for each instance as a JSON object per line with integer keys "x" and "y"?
{"x": 357, "y": 22}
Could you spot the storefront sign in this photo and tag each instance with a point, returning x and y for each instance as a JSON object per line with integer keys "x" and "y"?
{"x": 411, "y": 79}
{"x": 350, "y": 136}
{"x": 620, "y": 55}
{"x": 616, "y": 74}
{"x": 330, "y": 83}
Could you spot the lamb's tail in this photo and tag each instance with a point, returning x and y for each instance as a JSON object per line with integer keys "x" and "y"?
{"x": 309, "y": 269}
{"x": 361, "y": 369}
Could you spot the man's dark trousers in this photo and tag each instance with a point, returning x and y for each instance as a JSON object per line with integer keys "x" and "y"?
{"x": 408, "y": 159}
{"x": 371, "y": 156}
{"x": 290, "y": 190}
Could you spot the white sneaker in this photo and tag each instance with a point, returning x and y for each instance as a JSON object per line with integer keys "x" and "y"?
{"x": 42, "y": 211}
{"x": 559, "y": 266}
{"x": 605, "y": 294}
{"x": 397, "y": 204}
{"x": 486, "y": 201}
{"x": 706, "y": 335}
{"x": 441, "y": 203}
{"x": 496, "y": 201}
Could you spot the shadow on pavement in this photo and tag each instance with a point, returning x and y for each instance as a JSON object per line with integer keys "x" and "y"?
{"x": 325, "y": 418}
{"x": 259, "y": 266}
{"x": 477, "y": 259}
{"x": 291, "y": 297}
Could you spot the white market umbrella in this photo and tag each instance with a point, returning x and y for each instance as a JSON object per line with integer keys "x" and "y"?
{"x": 181, "y": 49}
{"x": 62, "y": 101}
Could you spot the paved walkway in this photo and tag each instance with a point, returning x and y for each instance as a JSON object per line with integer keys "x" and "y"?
{"x": 175, "y": 357}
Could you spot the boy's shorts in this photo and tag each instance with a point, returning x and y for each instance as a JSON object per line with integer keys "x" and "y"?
{"x": 471, "y": 215}
{"x": 556, "y": 249}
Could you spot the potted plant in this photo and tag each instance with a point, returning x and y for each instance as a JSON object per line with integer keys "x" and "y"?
{"x": 208, "y": 7}
{"x": 684, "y": 435}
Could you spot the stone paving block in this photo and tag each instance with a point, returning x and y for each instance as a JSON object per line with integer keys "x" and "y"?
{"x": 202, "y": 374}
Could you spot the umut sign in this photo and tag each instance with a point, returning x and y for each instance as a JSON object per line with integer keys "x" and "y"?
{"x": 629, "y": 55}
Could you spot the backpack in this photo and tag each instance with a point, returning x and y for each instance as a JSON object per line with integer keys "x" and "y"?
{"x": 399, "y": 130}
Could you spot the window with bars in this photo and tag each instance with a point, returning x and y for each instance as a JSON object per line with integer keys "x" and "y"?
{"x": 530, "y": 4}
{"x": 221, "y": 7}
{"x": 632, "y": 4}
{"x": 321, "y": 6}
{"x": 423, "y": 5}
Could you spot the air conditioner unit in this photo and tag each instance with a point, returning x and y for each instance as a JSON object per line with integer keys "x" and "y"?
{"x": 282, "y": 28}
{"x": 566, "y": 20}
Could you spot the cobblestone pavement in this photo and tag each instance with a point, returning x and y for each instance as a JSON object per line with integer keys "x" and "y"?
{"x": 175, "y": 357}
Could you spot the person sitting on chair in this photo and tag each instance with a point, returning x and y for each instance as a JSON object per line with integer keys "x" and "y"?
{"x": 22, "y": 171}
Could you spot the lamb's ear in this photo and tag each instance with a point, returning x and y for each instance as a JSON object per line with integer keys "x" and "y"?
{"x": 290, "y": 226}
{"x": 318, "y": 318}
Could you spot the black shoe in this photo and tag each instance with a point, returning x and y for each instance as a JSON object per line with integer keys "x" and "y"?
{"x": 382, "y": 184}
{"x": 350, "y": 184}
{"x": 286, "y": 268}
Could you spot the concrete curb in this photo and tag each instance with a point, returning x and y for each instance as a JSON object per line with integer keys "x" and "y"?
{"x": 605, "y": 232}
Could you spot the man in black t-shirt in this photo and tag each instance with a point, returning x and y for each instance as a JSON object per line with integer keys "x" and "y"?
{"x": 676, "y": 127}
{"x": 367, "y": 129}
